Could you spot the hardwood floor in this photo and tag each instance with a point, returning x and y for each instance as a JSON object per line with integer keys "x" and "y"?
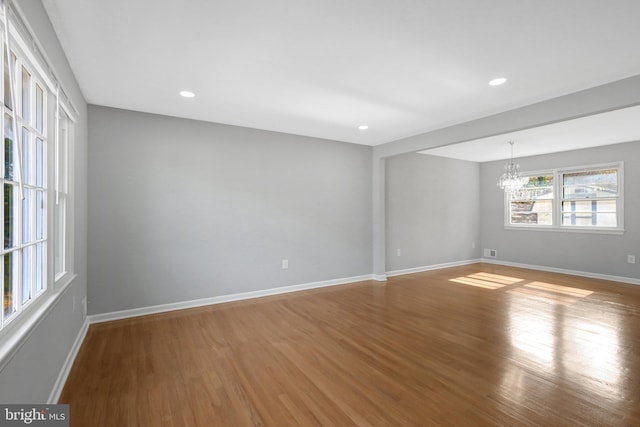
{"x": 465, "y": 346}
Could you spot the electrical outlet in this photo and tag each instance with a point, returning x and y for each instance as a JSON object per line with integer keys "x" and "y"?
{"x": 631, "y": 259}
{"x": 285, "y": 264}
{"x": 398, "y": 252}
{"x": 473, "y": 245}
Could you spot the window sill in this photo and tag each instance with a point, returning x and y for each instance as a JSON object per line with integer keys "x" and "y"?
{"x": 64, "y": 280}
{"x": 611, "y": 231}
{"x": 15, "y": 335}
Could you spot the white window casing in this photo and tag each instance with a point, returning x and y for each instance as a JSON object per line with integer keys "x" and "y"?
{"x": 36, "y": 169}
{"x": 586, "y": 199}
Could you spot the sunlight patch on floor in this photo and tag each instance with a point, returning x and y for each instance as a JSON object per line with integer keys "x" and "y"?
{"x": 564, "y": 290}
{"x": 497, "y": 278}
{"x": 486, "y": 280}
{"x": 477, "y": 283}
{"x": 541, "y": 290}
{"x": 543, "y": 296}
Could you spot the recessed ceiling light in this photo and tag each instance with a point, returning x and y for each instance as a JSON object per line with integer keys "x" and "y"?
{"x": 363, "y": 127}
{"x": 187, "y": 94}
{"x": 498, "y": 81}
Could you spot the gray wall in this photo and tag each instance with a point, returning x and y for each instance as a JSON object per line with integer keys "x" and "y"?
{"x": 182, "y": 209}
{"x": 594, "y": 253}
{"x": 611, "y": 96}
{"x": 432, "y": 210}
{"x": 31, "y": 373}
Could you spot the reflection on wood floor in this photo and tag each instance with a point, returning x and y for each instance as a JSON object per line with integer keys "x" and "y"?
{"x": 473, "y": 345}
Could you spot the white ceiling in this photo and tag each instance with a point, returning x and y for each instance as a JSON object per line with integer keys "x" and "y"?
{"x": 600, "y": 129}
{"x": 323, "y": 67}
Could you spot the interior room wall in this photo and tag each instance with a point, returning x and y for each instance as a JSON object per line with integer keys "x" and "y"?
{"x": 604, "y": 254}
{"x": 432, "y": 211}
{"x": 30, "y": 374}
{"x": 608, "y": 97}
{"x": 182, "y": 210}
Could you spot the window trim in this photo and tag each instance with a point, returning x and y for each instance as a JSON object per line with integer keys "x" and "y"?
{"x": 63, "y": 278}
{"x": 14, "y": 334}
{"x": 20, "y": 124}
{"x": 15, "y": 329}
{"x": 557, "y": 225}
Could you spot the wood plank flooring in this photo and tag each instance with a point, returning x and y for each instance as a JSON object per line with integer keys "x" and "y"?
{"x": 478, "y": 345}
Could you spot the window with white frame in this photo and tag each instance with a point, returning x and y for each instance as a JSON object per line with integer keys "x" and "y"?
{"x": 61, "y": 194}
{"x": 587, "y": 198}
{"x": 533, "y": 205}
{"x": 24, "y": 225}
{"x": 37, "y": 134}
{"x": 590, "y": 198}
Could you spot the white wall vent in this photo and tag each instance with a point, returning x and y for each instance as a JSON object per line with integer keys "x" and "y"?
{"x": 490, "y": 253}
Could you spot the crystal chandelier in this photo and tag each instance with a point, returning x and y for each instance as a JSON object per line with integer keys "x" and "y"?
{"x": 511, "y": 181}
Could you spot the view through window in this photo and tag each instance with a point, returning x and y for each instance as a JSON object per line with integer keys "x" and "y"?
{"x": 24, "y": 185}
{"x": 586, "y": 198}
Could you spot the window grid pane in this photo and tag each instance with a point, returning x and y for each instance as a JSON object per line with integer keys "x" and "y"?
{"x": 590, "y": 198}
{"x": 9, "y": 215}
{"x": 26, "y": 216}
{"x": 533, "y": 205}
{"x": 26, "y": 156}
{"x": 7, "y": 92}
{"x": 589, "y": 213}
{"x": 40, "y": 284}
{"x": 26, "y": 275}
{"x": 590, "y": 184}
{"x": 39, "y": 215}
{"x": 24, "y": 253}
{"x": 10, "y": 306}
{"x": 9, "y": 159}
{"x": 26, "y": 95}
{"x": 39, "y": 109}
{"x": 39, "y": 162}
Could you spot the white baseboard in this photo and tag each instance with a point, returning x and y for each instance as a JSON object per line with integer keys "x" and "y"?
{"x": 123, "y": 314}
{"x": 68, "y": 363}
{"x": 379, "y": 277}
{"x": 564, "y": 271}
{"x": 431, "y": 267}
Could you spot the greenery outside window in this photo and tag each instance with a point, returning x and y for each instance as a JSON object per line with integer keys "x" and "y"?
{"x": 24, "y": 185}
{"x": 587, "y": 198}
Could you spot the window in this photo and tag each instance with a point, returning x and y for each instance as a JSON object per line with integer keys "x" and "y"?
{"x": 534, "y": 203}
{"x": 36, "y": 174}
{"x": 590, "y": 198}
{"x": 24, "y": 252}
{"x": 582, "y": 199}
{"x": 62, "y": 184}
